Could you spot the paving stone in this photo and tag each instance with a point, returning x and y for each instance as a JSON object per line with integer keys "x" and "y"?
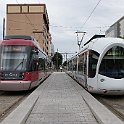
{"x": 60, "y": 103}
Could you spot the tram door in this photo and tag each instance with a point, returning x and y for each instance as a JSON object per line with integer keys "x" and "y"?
{"x": 91, "y": 71}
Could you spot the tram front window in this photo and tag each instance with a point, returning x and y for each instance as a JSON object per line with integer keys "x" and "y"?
{"x": 13, "y": 58}
{"x": 112, "y": 64}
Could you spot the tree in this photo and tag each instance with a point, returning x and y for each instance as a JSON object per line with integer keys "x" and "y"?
{"x": 57, "y": 60}
{"x": 65, "y": 63}
{"x": 122, "y": 37}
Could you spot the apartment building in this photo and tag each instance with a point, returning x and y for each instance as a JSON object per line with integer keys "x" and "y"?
{"x": 117, "y": 29}
{"x": 29, "y": 19}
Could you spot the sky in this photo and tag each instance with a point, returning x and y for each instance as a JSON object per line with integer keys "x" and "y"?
{"x": 69, "y": 16}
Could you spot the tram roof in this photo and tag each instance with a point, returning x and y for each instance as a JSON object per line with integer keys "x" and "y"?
{"x": 99, "y": 44}
{"x": 94, "y": 37}
{"x": 22, "y": 40}
{"x": 25, "y": 37}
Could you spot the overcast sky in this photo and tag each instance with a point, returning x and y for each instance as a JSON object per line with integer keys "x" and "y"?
{"x": 68, "y": 16}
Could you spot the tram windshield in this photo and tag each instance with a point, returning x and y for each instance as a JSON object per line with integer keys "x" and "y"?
{"x": 13, "y": 58}
{"x": 112, "y": 64}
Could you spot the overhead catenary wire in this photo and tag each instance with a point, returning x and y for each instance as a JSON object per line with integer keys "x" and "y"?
{"x": 66, "y": 27}
{"x": 91, "y": 13}
{"x": 69, "y": 27}
{"x": 60, "y": 26}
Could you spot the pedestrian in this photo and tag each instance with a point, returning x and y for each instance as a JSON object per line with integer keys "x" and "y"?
{"x": 61, "y": 68}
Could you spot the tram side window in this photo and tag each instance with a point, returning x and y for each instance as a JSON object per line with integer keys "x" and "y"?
{"x": 47, "y": 65}
{"x": 85, "y": 64}
{"x": 74, "y": 64}
{"x": 93, "y": 59}
{"x": 80, "y": 64}
{"x": 35, "y": 66}
{"x": 41, "y": 64}
{"x": 70, "y": 65}
{"x": 35, "y": 63}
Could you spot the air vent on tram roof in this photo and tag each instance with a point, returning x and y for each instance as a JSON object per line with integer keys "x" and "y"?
{"x": 94, "y": 37}
{"x": 25, "y": 37}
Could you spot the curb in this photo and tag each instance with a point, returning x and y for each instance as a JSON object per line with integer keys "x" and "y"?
{"x": 101, "y": 113}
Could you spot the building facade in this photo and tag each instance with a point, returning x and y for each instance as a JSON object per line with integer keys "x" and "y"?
{"x": 117, "y": 29}
{"x": 29, "y": 19}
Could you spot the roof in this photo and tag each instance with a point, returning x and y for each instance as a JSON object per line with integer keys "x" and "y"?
{"x": 25, "y": 37}
{"x": 94, "y": 37}
{"x": 21, "y": 40}
{"x": 18, "y": 42}
{"x": 99, "y": 44}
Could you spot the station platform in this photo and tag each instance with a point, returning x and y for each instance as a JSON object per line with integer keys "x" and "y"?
{"x": 61, "y": 100}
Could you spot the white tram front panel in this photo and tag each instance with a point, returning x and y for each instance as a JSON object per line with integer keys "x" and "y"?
{"x": 111, "y": 69}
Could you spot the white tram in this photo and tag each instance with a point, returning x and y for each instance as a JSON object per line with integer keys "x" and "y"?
{"x": 99, "y": 66}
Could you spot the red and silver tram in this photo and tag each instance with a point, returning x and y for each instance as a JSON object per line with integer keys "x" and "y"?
{"x": 22, "y": 63}
{"x": 99, "y": 66}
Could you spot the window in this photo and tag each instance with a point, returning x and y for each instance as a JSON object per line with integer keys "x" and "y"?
{"x": 80, "y": 63}
{"x": 85, "y": 64}
{"x": 70, "y": 65}
{"x": 35, "y": 62}
{"x": 112, "y": 64}
{"x": 41, "y": 64}
{"x": 74, "y": 64}
{"x": 36, "y": 9}
{"x": 93, "y": 59}
{"x": 24, "y": 9}
{"x": 14, "y": 58}
{"x": 14, "y": 9}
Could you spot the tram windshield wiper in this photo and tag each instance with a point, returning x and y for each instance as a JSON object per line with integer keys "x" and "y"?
{"x": 20, "y": 63}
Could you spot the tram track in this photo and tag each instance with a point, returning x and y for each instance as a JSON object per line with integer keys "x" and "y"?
{"x": 114, "y": 103}
{"x": 10, "y": 100}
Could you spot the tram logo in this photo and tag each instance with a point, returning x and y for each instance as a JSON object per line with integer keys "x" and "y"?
{"x": 11, "y": 75}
